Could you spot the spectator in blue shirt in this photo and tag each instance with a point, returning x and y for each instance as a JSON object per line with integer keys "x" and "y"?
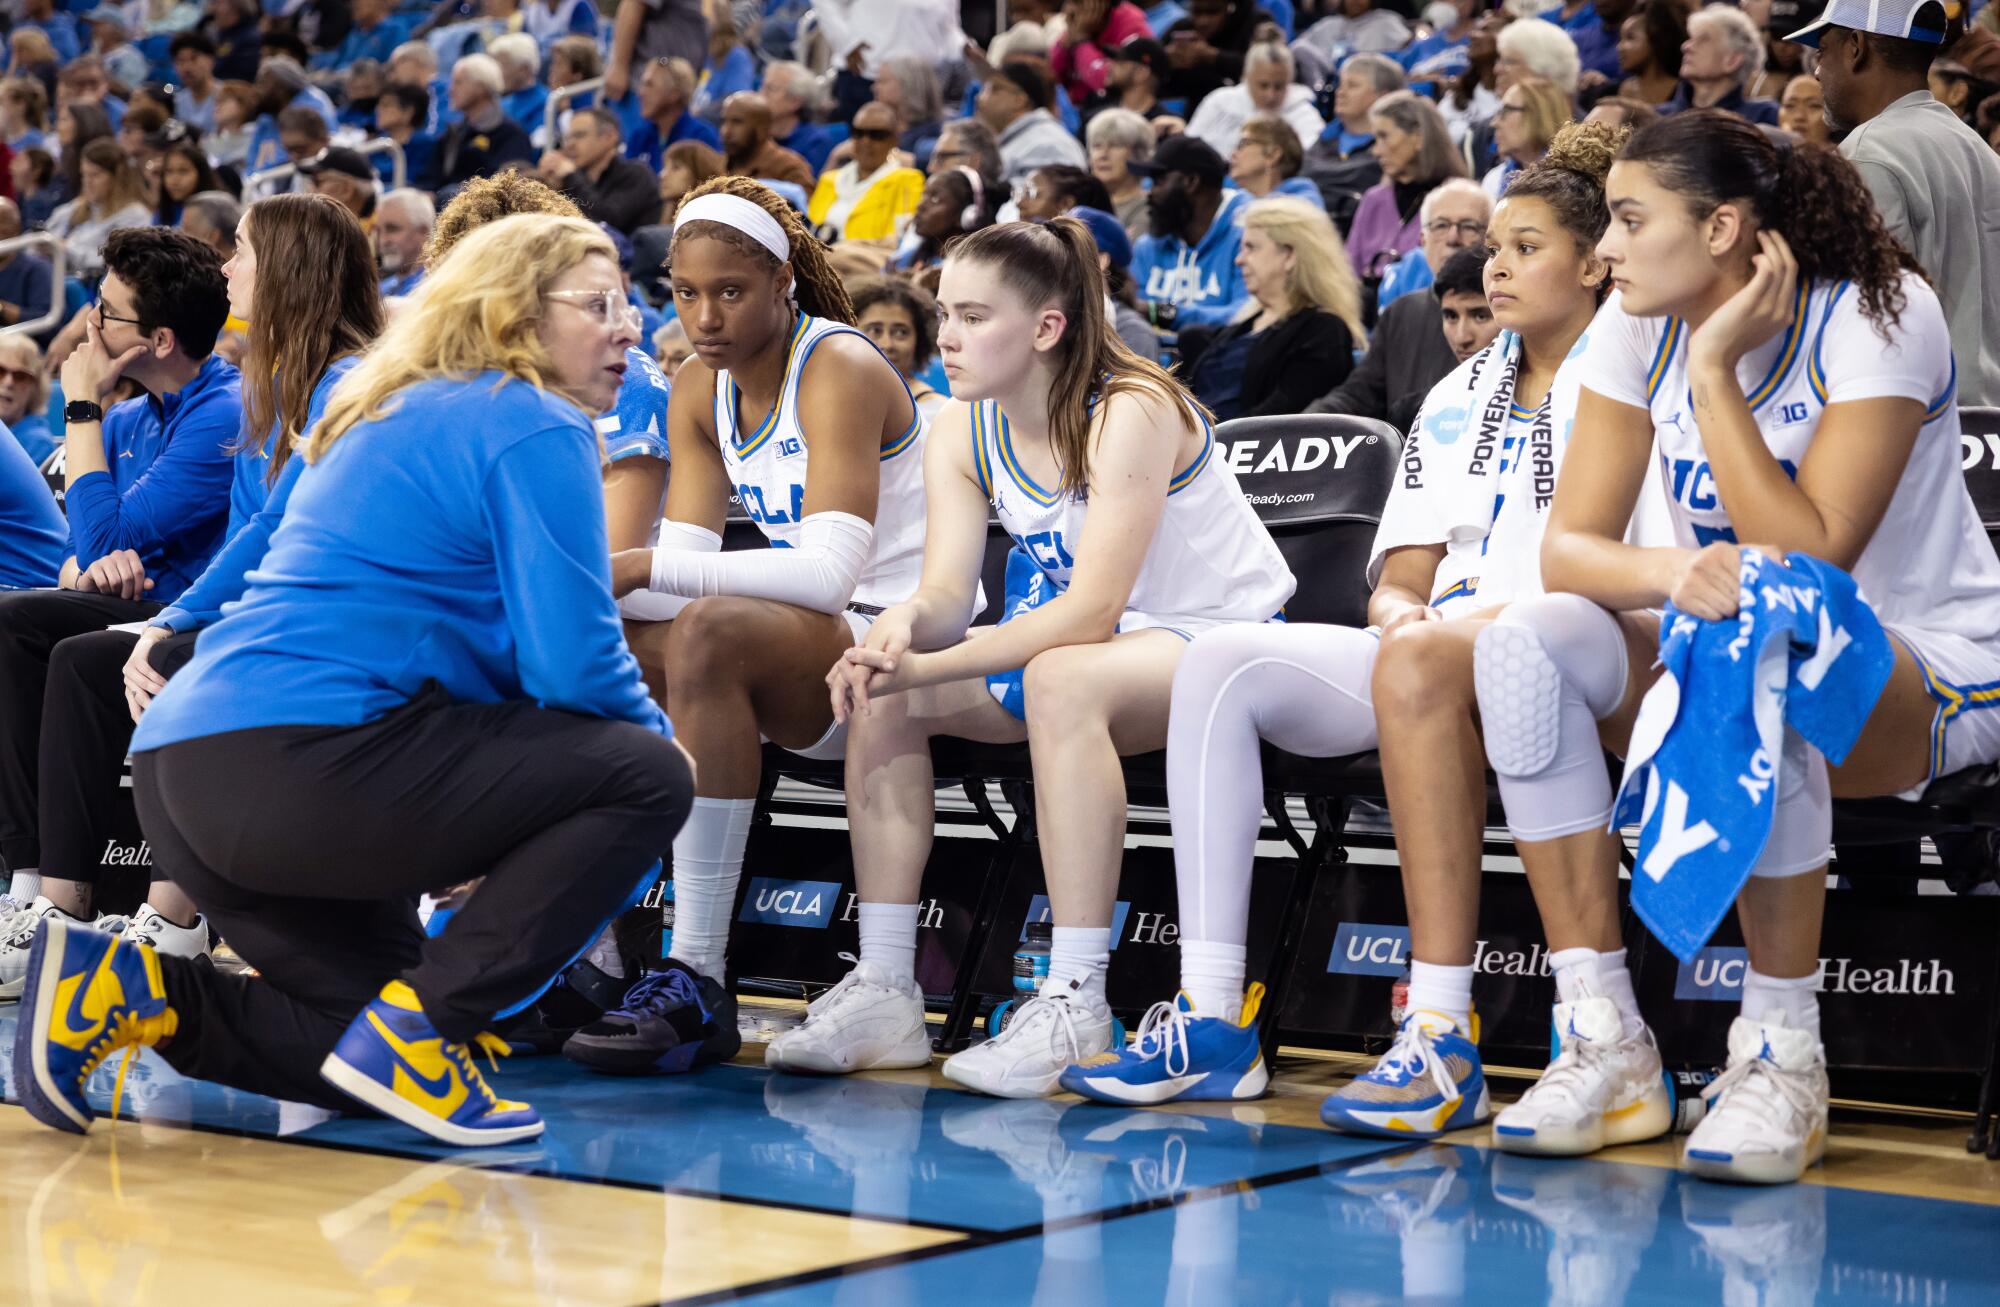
{"x": 399, "y": 115}
{"x": 1593, "y": 25}
{"x": 786, "y": 89}
{"x": 148, "y": 482}
{"x": 24, "y": 113}
{"x": 194, "y": 59}
{"x": 665, "y": 89}
{"x": 60, "y": 28}
{"x": 404, "y": 221}
{"x": 24, "y": 274}
{"x": 376, "y": 33}
{"x": 522, "y": 98}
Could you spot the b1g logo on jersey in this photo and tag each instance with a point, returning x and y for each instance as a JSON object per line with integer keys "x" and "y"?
{"x": 790, "y": 447}
{"x": 1790, "y": 415}
{"x": 778, "y": 902}
{"x": 1364, "y": 948}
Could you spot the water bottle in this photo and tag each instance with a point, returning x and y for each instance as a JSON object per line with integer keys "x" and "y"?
{"x": 1399, "y": 998}
{"x": 1031, "y": 960}
{"x": 1684, "y": 1087}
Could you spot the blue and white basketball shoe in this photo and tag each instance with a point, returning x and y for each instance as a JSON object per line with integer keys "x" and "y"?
{"x": 1179, "y": 1056}
{"x": 1428, "y": 1083}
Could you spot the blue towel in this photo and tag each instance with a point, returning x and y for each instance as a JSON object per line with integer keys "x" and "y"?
{"x": 1702, "y": 778}
{"x": 1028, "y": 588}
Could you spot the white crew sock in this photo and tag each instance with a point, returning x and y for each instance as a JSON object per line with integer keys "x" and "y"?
{"x": 1079, "y": 954}
{"x": 27, "y": 884}
{"x": 1582, "y": 972}
{"x": 1212, "y": 975}
{"x": 1445, "y": 990}
{"x": 708, "y": 863}
{"x": 1797, "y": 998}
{"x": 889, "y": 938}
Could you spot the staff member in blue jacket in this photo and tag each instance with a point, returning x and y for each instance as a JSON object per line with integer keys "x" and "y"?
{"x": 425, "y": 684}
{"x": 33, "y": 538}
{"x": 304, "y": 279}
{"x": 148, "y": 493}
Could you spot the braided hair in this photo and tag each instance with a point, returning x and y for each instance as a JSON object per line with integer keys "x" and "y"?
{"x": 821, "y": 293}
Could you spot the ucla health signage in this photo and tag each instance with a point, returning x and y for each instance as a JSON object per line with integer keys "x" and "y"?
{"x": 780, "y": 902}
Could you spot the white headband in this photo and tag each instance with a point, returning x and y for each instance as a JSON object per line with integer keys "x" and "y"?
{"x": 735, "y": 211}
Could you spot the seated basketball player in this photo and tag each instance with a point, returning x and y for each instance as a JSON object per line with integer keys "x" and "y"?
{"x": 1051, "y": 407}
{"x": 789, "y": 407}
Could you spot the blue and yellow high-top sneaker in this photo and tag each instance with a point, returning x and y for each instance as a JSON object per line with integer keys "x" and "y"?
{"x": 1429, "y": 1082}
{"x": 392, "y": 1059}
{"x": 1178, "y": 1056}
{"x": 86, "y": 994}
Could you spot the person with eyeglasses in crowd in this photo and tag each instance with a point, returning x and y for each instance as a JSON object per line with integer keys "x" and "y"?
{"x": 147, "y": 488}
{"x": 1452, "y": 217}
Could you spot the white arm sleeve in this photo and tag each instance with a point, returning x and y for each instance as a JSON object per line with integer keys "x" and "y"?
{"x": 646, "y": 606}
{"x": 818, "y": 573}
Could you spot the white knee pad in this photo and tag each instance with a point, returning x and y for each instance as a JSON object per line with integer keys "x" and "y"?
{"x": 1546, "y": 670}
{"x": 1802, "y": 826}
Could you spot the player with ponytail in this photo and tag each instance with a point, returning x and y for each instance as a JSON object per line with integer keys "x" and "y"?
{"x": 1779, "y": 356}
{"x": 790, "y": 409}
{"x": 1131, "y": 537}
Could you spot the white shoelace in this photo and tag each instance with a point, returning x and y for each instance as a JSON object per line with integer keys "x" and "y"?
{"x": 1043, "y": 1010}
{"x": 1162, "y": 1033}
{"x": 850, "y": 984}
{"x": 1569, "y": 1073}
{"x": 19, "y": 929}
{"x": 1755, "y": 1087}
{"x": 1413, "y": 1052}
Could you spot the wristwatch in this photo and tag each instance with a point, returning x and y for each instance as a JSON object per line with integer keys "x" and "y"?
{"x": 82, "y": 410}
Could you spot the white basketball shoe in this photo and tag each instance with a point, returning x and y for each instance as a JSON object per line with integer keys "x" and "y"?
{"x": 1604, "y": 1088}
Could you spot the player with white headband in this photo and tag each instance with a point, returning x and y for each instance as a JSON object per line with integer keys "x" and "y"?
{"x": 790, "y": 409}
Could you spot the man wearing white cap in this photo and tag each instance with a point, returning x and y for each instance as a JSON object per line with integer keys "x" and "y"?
{"x": 1936, "y": 183}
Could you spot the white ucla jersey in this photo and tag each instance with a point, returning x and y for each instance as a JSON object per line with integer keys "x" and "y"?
{"x": 1211, "y": 559}
{"x": 1929, "y": 566}
{"x": 768, "y": 468}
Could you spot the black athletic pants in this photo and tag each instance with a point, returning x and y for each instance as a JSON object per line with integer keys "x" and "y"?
{"x": 308, "y": 846}
{"x": 32, "y": 624}
{"x": 86, "y": 732}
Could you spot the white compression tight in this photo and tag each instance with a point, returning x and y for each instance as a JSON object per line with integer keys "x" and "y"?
{"x": 1305, "y": 689}
{"x": 1547, "y": 670}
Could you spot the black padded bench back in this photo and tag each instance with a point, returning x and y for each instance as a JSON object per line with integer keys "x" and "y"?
{"x": 1318, "y": 482}
{"x": 1982, "y": 464}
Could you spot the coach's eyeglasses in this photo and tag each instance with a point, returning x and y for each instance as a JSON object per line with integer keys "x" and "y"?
{"x": 604, "y": 307}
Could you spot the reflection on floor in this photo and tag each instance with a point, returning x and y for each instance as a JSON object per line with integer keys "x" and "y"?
{"x": 893, "y": 1190}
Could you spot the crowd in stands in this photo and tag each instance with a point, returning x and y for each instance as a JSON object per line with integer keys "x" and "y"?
{"x": 1352, "y": 134}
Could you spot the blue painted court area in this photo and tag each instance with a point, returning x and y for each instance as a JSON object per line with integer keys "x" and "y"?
{"x": 1074, "y": 1204}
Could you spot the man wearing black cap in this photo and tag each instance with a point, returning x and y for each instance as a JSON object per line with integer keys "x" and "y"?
{"x": 1936, "y": 183}
{"x": 344, "y": 175}
{"x": 1014, "y": 103}
{"x": 1186, "y": 267}
{"x": 1133, "y": 80}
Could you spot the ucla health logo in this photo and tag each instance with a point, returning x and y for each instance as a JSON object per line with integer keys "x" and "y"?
{"x": 1363, "y": 948}
{"x": 791, "y": 902}
{"x": 1715, "y": 976}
